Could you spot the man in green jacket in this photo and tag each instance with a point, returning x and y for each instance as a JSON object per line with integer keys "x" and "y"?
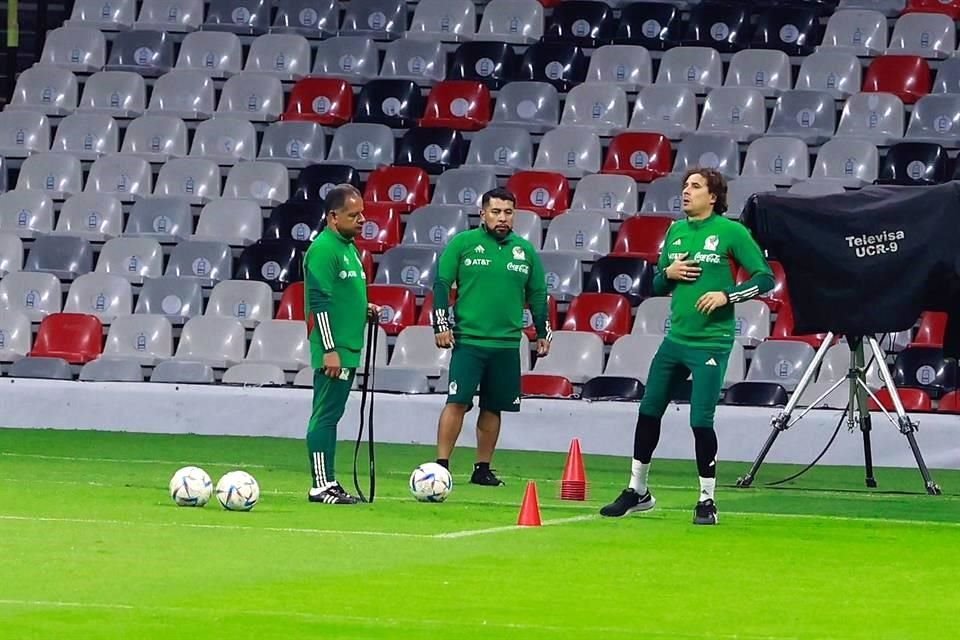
{"x": 497, "y": 274}
{"x": 335, "y": 291}
{"x": 695, "y": 269}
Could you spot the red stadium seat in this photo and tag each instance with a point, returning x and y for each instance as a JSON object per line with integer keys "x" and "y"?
{"x": 641, "y": 155}
{"x": 605, "y": 314}
{"x": 535, "y": 384}
{"x": 947, "y": 7}
{"x": 326, "y": 101}
{"x": 907, "y": 77}
{"x": 291, "y": 303}
{"x": 404, "y": 188}
{"x": 777, "y": 296}
{"x": 552, "y": 315}
{"x": 399, "y": 306}
{"x": 933, "y": 326}
{"x": 75, "y": 337}
{"x": 950, "y": 403}
{"x": 369, "y": 268}
{"x": 783, "y": 329}
{"x": 642, "y": 236}
{"x": 458, "y": 104}
{"x": 426, "y": 308}
{"x": 381, "y": 230}
{"x": 545, "y": 193}
{"x": 912, "y": 399}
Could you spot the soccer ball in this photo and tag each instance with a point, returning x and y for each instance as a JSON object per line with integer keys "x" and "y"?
{"x": 430, "y": 482}
{"x": 238, "y": 491}
{"x": 191, "y": 487}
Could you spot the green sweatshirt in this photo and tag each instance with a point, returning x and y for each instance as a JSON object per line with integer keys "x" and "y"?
{"x": 335, "y": 297}
{"x": 495, "y": 280}
{"x": 716, "y": 244}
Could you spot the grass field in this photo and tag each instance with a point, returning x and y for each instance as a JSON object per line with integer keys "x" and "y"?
{"x": 92, "y": 547}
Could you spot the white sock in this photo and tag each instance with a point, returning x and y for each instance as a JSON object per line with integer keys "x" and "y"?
{"x": 707, "y": 485}
{"x": 638, "y": 476}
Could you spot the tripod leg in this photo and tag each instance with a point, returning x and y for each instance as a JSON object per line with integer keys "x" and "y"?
{"x": 858, "y": 366}
{"x": 747, "y": 480}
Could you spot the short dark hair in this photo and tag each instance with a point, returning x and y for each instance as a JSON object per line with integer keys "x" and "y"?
{"x": 336, "y": 198}
{"x": 716, "y": 185}
{"x": 500, "y": 194}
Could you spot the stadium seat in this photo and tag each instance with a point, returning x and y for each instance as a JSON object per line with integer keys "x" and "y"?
{"x": 545, "y": 386}
{"x": 433, "y": 150}
{"x": 756, "y": 394}
{"x": 740, "y": 190}
{"x": 102, "y": 295}
{"x": 377, "y": 19}
{"x": 925, "y": 368}
{"x": 293, "y": 144}
{"x": 395, "y": 103}
{"x": 250, "y": 303}
{"x": 931, "y": 329}
{"x": 653, "y": 25}
{"x": 781, "y": 362}
{"x": 197, "y": 180}
{"x": 121, "y": 94}
{"x": 621, "y": 66}
{"x": 266, "y": 183}
{"x": 605, "y": 314}
{"x": 355, "y": 59}
{"x": 143, "y": 338}
{"x": 835, "y": 72}
{"x": 26, "y": 212}
{"x": 251, "y": 96}
{"x": 186, "y": 94}
{"x": 434, "y": 226}
{"x": 23, "y": 133}
{"x": 131, "y": 258}
{"x": 575, "y": 355}
{"x": 642, "y": 237}
{"x": 862, "y": 32}
{"x": 162, "y": 219}
{"x": 254, "y": 374}
{"x": 915, "y": 163}
{"x": 422, "y": 61}
{"x": 407, "y": 381}
{"x": 283, "y": 55}
{"x": 87, "y": 136}
{"x": 785, "y": 160}
{"x": 177, "y": 299}
{"x": 114, "y": 16}
{"x": 15, "y": 335}
{"x": 752, "y": 322}
{"x": 581, "y": 23}
{"x": 808, "y": 115}
{"x": 405, "y": 188}
{"x": 851, "y": 162}
{"x": 313, "y": 19}
{"x": 58, "y": 175}
{"x": 464, "y": 185}
{"x": 174, "y": 16}
{"x": 381, "y": 230}
{"x": 296, "y": 220}
{"x": 950, "y": 8}
{"x": 724, "y": 27}
{"x": 631, "y": 355}
{"x": 244, "y": 17}
{"x": 564, "y": 275}
{"x": 291, "y": 305}
{"x": 794, "y": 30}
{"x": 907, "y": 77}
{"x": 80, "y": 49}
{"x": 503, "y": 149}
{"x": 667, "y": 109}
{"x": 148, "y": 53}
{"x": 205, "y": 261}
{"x": 629, "y": 277}
{"x": 415, "y": 349}
{"x": 887, "y": 8}
{"x": 950, "y": 403}
{"x": 363, "y": 146}
{"x": 215, "y": 341}
{"x": 444, "y": 21}
{"x": 278, "y": 263}
{"x": 617, "y": 388}
{"x": 512, "y": 21}
{"x": 528, "y": 226}
{"x": 315, "y": 181}
{"x": 613, "y": 196}
{"x": 413, "y": 267}
{"x": 560, "y": 64}
{"x": 36, "y": 294}
{"x": 569, "y": 150}
{"x": 534, "y": 106}
{"x": 44, "y": 368}
{"x": 492, "y": 63}
{"x": 398, "y": 306}
{"x": 936, "y": 120}
{"x": 280, "y": 342}
{"x": 156, "y": 138}
{"x": 216, "y": 53}
{"x": 704, "y": 150}
{"x": 585, "y": 234}
{"x": 125, "y": 176}
{"x": 11, "y": 253}
{"x": 47, "y": 90}
{"x": 326, "y": 101}
{"x": 734, "y": 111}
{"x": 911, "y": 399}
{"x": 652, "y": 317}
{"x": 182, "y": 372}
{"x": 74, "y": 337}
{"x": 696, "y": 68}
{"x": 545, "y": 193}
{"x": 948, "y": 76}
{"x": 64, "y": 256}
{"x": 641, "y": 156}
{"x": 928, "y": 35}
{"x": 768, "y": 72}
{"x": 457, "y": 104}
{"x": 783, "y": 329}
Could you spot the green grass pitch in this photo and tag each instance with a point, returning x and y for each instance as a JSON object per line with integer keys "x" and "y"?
{"x": 92, "y": 547}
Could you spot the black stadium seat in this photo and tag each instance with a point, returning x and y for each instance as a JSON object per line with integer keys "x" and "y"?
{"x": 314, "y": 181}
{"x": 560, "y": 64}
{"x": 794, "y": 30}
{"x": 756, "y": 394}
{"x": 612, "y": 388}
{"x": 395, "y": 103}
{"x": 493, "y": 63}
{"x": 915, "y": 163}
{"x": 654, "y": 25}
{"x": 581, "y": 22}
{"x": 723, "y": 26}
{"x": 925, "y": 368}
{"x": 297, "y": 220}
{"x": 433, "y": 149}
{"x": 630, "y": 277}
{"x": 279, "y": 263}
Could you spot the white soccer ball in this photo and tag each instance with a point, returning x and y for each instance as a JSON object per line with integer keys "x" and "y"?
{"x": 430, "y": 482}
{"x": 238, "y": 491}
{"x": 191, "y": 487}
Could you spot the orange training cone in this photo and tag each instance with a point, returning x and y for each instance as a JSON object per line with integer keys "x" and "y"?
{"x": 530, "y": 509}
{"x": 573, "y": 486}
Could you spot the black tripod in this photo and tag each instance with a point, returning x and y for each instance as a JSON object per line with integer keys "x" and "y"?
{"x": 858, "y": 411}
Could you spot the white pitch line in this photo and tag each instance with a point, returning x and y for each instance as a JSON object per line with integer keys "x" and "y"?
{"x": 479, "y": 532}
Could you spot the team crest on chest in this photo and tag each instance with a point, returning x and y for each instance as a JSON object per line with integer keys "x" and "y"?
{"x": 518, "y": 254}
{"x": 711, "y": 243}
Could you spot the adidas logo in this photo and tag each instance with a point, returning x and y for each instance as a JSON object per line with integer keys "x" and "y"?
{"x": 479, "y": 249}
{"x": 517, "y": 401}
{"x": 711, "y": 362}
{"x": 677, "y": 242}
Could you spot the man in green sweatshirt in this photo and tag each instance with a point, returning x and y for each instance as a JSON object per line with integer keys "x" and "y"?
{"x": 335, "y": 292}
{"x": 497, "y": 274}
{"x": 695, "y": 268}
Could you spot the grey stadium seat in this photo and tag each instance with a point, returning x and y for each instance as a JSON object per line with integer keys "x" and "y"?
{"x": 58, "y": 175}
{"x": 613, "y": 196}
{"x": 575, "y": 355}
{"x": 857, "y": 31}
{"x": 23, "y": 133}
{"x": 505, "y": 149}
{"x": 64, "y": 256}
{"x": 131, "y": 258}
{"x": 11, "y": 253}
{"x": 105, "y": 369}
{"x": 669, "y": 109}
{"x": 245, "y": 17}
{"x": 195, "y": 179}
{"x": 708, "y": 150}
{"x": 81, "y": 49}
{"x": 226, "y": 141}
{"x": 626, "y": 66}
{"x": 935, "y": 119}
{"x": 364, "y": 146}
{"x": 314, "y": 19}
{"x": 464, "y": 185}
{"x": 36, "y": 294}
{"x": 162, "y": 219}
{"x": 148, "y": 53}
{"x": 741, "y": 189}
{"x": 125, "y": 176}
{"x": 808, "y": 115}
{"x": 26, "y": 212}
{"x": 216, "y": 53}
{"x": 87, "y": 136}
{"x": 780, "y": 361}
{"x": 836, "y": 72}
{"x": 212, "y": 340}
{"x": 739, "y": 113}
{"x": 174, "y": 16}
{"x": 663, "y": 197}
{"x": 103, "y": 295}
{"x": 146, "y": 339}
{"x": 697, "y": 68}
{"x": 853, "y": 162}
{"x": 282, "y": 343}
{"x": 251, "y": 96}
{"x": 186, "y": 93}
{"x": 413, "y": 267}
{"x": 601, "y": 107}
{"x": 247, "y": 301}
{"x": 928, "y": 35}
{"x": 176, "y": 298}
{"x": 444, "y": 21}
{"x": 584, "y": 234}
{"x": 434, "y": 225}
{"x": 878, "y": 117}
{"x": 112, "y": 16}
{"x": 156, "y": 138}
{"x": 766, "y": 70}
{"x": 267, "y": 183}
{"x": 282, "y": 55}
{"x": 514, "y": 21}
{"x": 237, "y": 222}
{"x": 354, "y": 59}
{"x": 206, "y": 261}
{"x": 182, "y": 372}
{"x": 294, "y": 144}
{"x": 534, "y": 106}
{"x": 44, "y": 368}
{"x": 785, "y": 160}
{"x": 415, "y": 349}
{"x": 564, "y": 275}
{"x": 422, "y": 61}
{"x": 121, "y": 94}
{"x": 569, "y": 150}
{"x": 255, "y": 374}
{"x": 377, "y": 19}
{"x": 47, "y": 90}
{"x": 16, "y": 335}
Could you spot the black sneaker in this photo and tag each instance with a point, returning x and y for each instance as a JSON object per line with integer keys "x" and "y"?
{"x": 485, "y": 476}
{"x": 332, "y": 495}
{"x": 705, "y": 512}
{"x": 627, "y": 502}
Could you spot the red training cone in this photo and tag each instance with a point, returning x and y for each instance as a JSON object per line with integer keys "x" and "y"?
{"x": 530, "y": 509}
{"x": 573, "y": 486}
